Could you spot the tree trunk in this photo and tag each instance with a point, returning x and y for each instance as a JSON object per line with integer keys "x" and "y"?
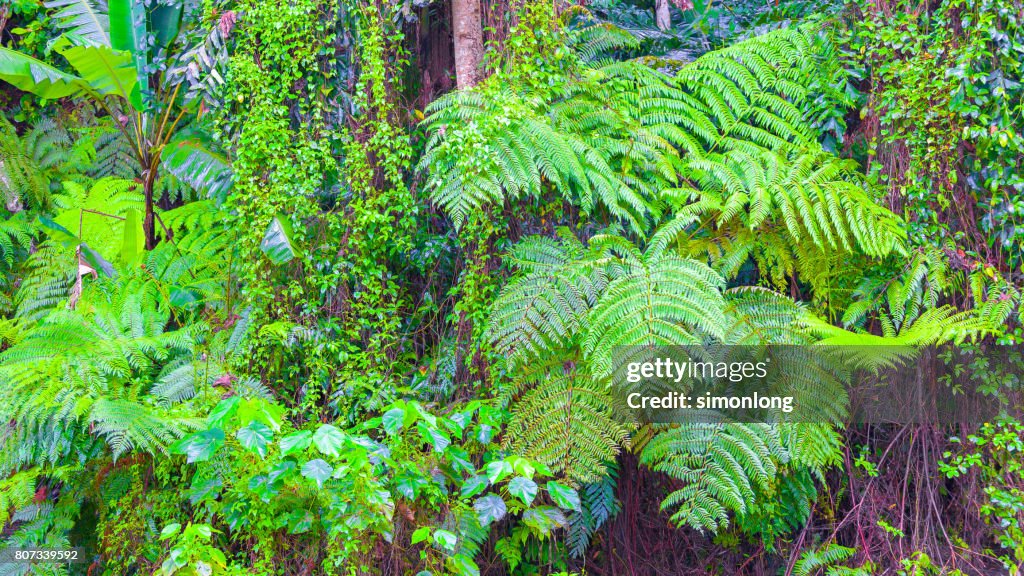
{"x": 662, "y": 17}
{"x": 149, "y": 223}
{"x": 468, "y": 36}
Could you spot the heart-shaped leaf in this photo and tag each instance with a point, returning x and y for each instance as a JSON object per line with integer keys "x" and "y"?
{"x": 523, "y": 488}
{"x": 445, "y": 539}
{"x": 392, "y": 420}
{"x": 564, "y": 496}
{"x": 474, "y": 486}
{"x": 328, "y": 440}
{"x": 317, "y": 470}
{"x": 436, "y": 438}
{"x": 296, "y": 442}
{"x": 498, "y": 470}
{"x": 490, "y": 508}
{"x": 255, "y": 436}
{"x": 199, "y": 447}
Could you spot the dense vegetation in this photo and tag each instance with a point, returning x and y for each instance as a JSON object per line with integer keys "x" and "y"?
{"x": 317, "y": 287}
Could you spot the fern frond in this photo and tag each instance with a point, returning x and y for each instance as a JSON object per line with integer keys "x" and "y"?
{"x": 721, "y": 466}
{"x": 566, "y": 421}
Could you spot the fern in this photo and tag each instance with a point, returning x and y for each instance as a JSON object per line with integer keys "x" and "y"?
{"x": 539, "y": 311}
{"x": 822, "y": 559}
{"x": 721, "y": 465}
{"x": 114, "y": 156}
{"x": 598, "y": 505}
{"x": 24, "y": 178}
{"x": 96, "y": 381}
{"x": 658, "y": 300}
{"x": 566, "y": 421}
{"x": 600, "y": 141}
{"x": 16, "y": 491}
{"x": 775, "y": 208}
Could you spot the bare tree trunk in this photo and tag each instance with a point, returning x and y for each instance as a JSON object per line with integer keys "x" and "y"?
{"x": 468, "y": 35}
{"x": 149, "y": 223}
{"x": 662, "y": 17}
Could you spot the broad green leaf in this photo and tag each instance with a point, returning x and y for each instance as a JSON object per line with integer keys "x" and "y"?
{"x": 409, "y": 485}
{"x": 392, "y": 420}
{"x": 445, "y": 539}
{"x": 414, "y": 410}
{"x": 490, "y": 508}
{"x": 182, "y": 297}
{"x": 296, "y": 442}
{"x": 498, "y": 470}
{"x": 421, "y": 534}
{"x": 523, "y": 488}
{"x": 544, "y": 519}
{"x": 59, "y": 233}
{"x": 170, "y": 531}
{"x": 204, "y": 531}
{"x": 97, "y": 262}
{"x": 204, "y": 489}
{"x": 132, "y": 244}
{"x": 265, "y": 411}
{"x": 84, "y": 18}
{"x": 317, "y": 470}
{"x": 107, "y": 71}
{"x": 222, "y": 411}
{"x": 473, "y": 486}
{"x": 462, "y": 565}
{"x": 277, "y": 242}
{"x": 564, "y": 496}
{"x": 165, "y": 22}
{"x": 128, "y": 33}
{"x": 459, "y": 459}
{"x": 194, "y": 160}
{"x": 328, "y": 440}
{"x": 431, "y": 435}
{"x": 300, "y": 521}
{"x": 280, "y": 470}
{"x": 200, "y": 446}
{"x": 35, "y": 76}
{"x": 523, "y": 467}
{"x": 255, "y": 436}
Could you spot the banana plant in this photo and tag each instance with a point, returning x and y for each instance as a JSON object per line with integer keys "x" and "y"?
{"x": 113, "y": 53}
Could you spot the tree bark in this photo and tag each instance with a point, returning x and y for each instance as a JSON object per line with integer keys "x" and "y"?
{"x": 662, "y": 17}
{"x": 468, "y": 36}
{"x": 149, "y": 223}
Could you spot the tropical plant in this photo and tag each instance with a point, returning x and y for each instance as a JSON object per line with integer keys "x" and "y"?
{"x": 118, "y": 53}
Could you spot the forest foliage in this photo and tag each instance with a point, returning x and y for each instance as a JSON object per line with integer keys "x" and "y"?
{"x": 278, "y": 299}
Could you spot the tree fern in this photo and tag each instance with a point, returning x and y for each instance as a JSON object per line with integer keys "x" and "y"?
{"x": 658, "y": 300}
{"x": 600, "y": 140}
{"x": 750, "y": 95}
{"x": 98, "y": 378}
{"x": 566, "y": 420}
{"x": 24, "y": 163}
{"x": 721, "y": 466}
{"x": 598, "y": 505}
{"x": 540, "y": 310}
{"x": 16, "y": 492}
